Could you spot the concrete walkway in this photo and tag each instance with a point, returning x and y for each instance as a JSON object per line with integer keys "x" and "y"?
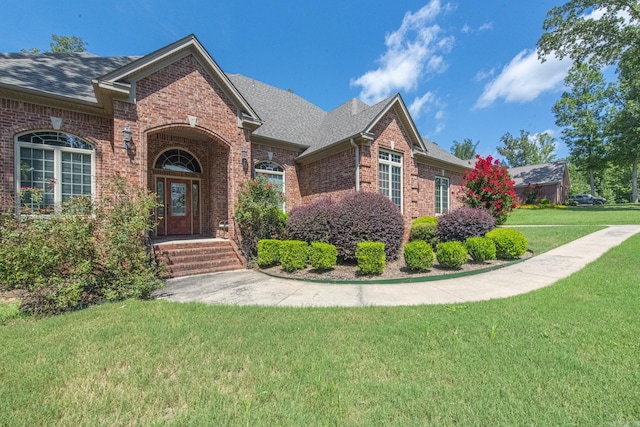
{"x": 247, "y": 287}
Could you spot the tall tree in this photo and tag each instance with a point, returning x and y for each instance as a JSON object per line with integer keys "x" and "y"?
{"x": 625, "y": 125}
{"x": 62, "y": 44}
{"x": 527, "y": 149}
{"x": 597, "y": 32}
{"x": 584, "y": 113}
{"x": 464, "y": 150}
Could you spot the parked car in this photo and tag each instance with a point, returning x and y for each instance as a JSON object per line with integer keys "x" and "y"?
{"x": 587, "y": 199}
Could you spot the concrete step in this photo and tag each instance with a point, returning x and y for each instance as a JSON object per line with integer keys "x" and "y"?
{"x": 201, "y": 256}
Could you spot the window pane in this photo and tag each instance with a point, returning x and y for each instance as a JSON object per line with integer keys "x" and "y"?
{"x": 178, "y": 199}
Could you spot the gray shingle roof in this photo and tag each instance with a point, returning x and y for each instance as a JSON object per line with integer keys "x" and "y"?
{"x": 436, "y": 152}
{"x": 546, "y": 173}
{"x": 62, "y": 74}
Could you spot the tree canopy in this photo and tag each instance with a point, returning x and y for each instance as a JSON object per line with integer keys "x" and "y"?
{"x": 464, "y": 150}
{"x": 527, "y": 149}
{"x": 62, "y": 44}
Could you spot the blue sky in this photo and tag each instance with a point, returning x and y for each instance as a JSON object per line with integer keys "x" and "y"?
{"x": 466, "y": 68}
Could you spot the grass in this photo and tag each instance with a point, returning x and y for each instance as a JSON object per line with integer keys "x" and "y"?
{"x": 587, "y": 215}
{"x": 562, "y": 355}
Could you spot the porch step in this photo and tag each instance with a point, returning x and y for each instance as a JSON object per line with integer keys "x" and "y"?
{"x": 201, "y": 256}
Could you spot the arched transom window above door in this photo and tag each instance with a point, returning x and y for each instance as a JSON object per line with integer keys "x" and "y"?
{"x": 178, "y": 161}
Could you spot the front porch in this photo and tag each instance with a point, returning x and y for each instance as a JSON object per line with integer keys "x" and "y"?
{"x": 198, "y": 255}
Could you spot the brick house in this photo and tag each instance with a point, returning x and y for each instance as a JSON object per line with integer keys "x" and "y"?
{"x": 196, "y": 133}
{"x": 547, "y": 180}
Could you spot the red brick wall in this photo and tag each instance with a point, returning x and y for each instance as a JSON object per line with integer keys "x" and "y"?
{"x": 332, "y": 176}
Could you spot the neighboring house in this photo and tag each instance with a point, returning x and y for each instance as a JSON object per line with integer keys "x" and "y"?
{"x": 196, "y": 133}
{"x": 535, "y": 182}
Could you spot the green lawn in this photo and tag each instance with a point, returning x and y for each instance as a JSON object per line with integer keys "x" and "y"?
{"x": 587, "y": 215}
{"x": 568, "y": 354}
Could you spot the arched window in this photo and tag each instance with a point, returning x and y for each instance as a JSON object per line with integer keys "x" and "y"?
{"x": 54, "y": 165}
{"x": 274, "y": 173}
{"x": 178, "y": 161}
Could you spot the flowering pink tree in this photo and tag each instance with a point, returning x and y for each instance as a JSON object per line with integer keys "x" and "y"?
{"x": 488, "y": 185}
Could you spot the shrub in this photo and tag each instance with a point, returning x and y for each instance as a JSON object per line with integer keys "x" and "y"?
{"x": 425, "y": 232}
{"x": 258, "y": 213}
{"x": 268, "y": 252}
{"x": 425, "y": 220}
{"x": 451, "y": 254}
{"x": 322, "y": 256}
{"x": 83, "y": 253}
{"x": 293, "y": 255}
{"x": 313, "y": 222}
{"x": 371, "y": 257}
{"x": 481, "y": 249}
{"x": 463, "y": 223}
{"x": 418, "y": 255}
{"x": 488, "y": 185}
{"x": 509, "y": 243}
{"x": 364, "y": 217}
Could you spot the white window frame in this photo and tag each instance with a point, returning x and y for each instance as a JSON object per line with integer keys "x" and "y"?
{"x": 439, "y": 206}
{"x": 57, "y": 164}
{"x": 273, "y": 171}
{"x": 393, "y": 161}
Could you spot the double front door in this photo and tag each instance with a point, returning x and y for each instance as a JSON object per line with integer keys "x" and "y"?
{"x": 180, "y": 210}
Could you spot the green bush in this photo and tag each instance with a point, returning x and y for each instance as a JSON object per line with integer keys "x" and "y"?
{"x": 322, "y": 256}
{"x": 425, "y": 220}
{"x": 293, "y": 255}
{"x": 371, "y": 257}
{"x": 418, "y": 255}
{"x": 452, "y": 254}
{"x": 426, "y": 232}
{"x": 83, "y": 253}
{"x": 268, "y": 252}
{"x": 509, "y": 243}
{"x": 481, "y": 249}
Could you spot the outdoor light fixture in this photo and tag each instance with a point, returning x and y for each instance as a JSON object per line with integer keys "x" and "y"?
{"x": 126, "y": 136}
{"x": 244, "y": 156}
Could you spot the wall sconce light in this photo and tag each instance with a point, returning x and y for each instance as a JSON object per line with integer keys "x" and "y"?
{"x": 126, "y": 136}
{"x": 245, "y": 162}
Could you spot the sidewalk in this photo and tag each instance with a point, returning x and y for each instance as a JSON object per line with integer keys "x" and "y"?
{"x": 247, "y": 287}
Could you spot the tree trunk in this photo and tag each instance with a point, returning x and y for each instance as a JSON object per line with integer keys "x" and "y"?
{"x": 634, "y": 182}
{"x": 592, "y": 182}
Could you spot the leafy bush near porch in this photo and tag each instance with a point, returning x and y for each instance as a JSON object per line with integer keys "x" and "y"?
{"x": 463, "y": 223}
{"x": 371, "y": 257}
{"x": 82, "y": 254}
{"x": 418, "y": 255}
{"x": 293, "y": 255}
{"x": 312, "y": 222}
{"x": 364, "y": 217}
{"x": 258, "y": 213}
{"x": 268, "y": 252}
{"x": 481, "y": 249}
{"x": 425, "y": 232}
{"x": 452, "y": 254}
{"x": 322, "y": 256}
{"x": 510, "y": 243}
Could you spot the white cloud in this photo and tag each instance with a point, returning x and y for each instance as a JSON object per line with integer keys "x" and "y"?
{"x": 486, "y": 26}
{"x": 413, "y": 50}
{"x": 483, "y": 75}
{"x": 524, "y": 79}
{"x": 418, "y": 104}
{"x": 466, "y": 29}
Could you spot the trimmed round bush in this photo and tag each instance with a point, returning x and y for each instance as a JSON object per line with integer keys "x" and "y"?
{"x": 425, "y": 220}
{"x": 418, "y": 255}
{"x": 465, "y": 222}
{"x": 322, "y": 256}
{"x": 509, "y": 243}
{"x": 481, "y": 249}
{"x": 367, "y": 217}
{"x": 293, "y": 255}
{"x": 371, "y": 257}
{"x": 312, "y": 222}
{"x": 268, "y": 252}
{"x": 452, "y": 254}
{"x": 426, "y": 232}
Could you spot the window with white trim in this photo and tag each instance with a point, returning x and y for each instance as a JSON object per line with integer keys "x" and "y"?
{"x": 442, "y": 195}
{"x": 274, "y": 174}
{"x": 390, "y": 176}
{"x": 56, "y": 165}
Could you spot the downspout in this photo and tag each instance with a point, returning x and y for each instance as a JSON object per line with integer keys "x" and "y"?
{"x": 357, "y": 147}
